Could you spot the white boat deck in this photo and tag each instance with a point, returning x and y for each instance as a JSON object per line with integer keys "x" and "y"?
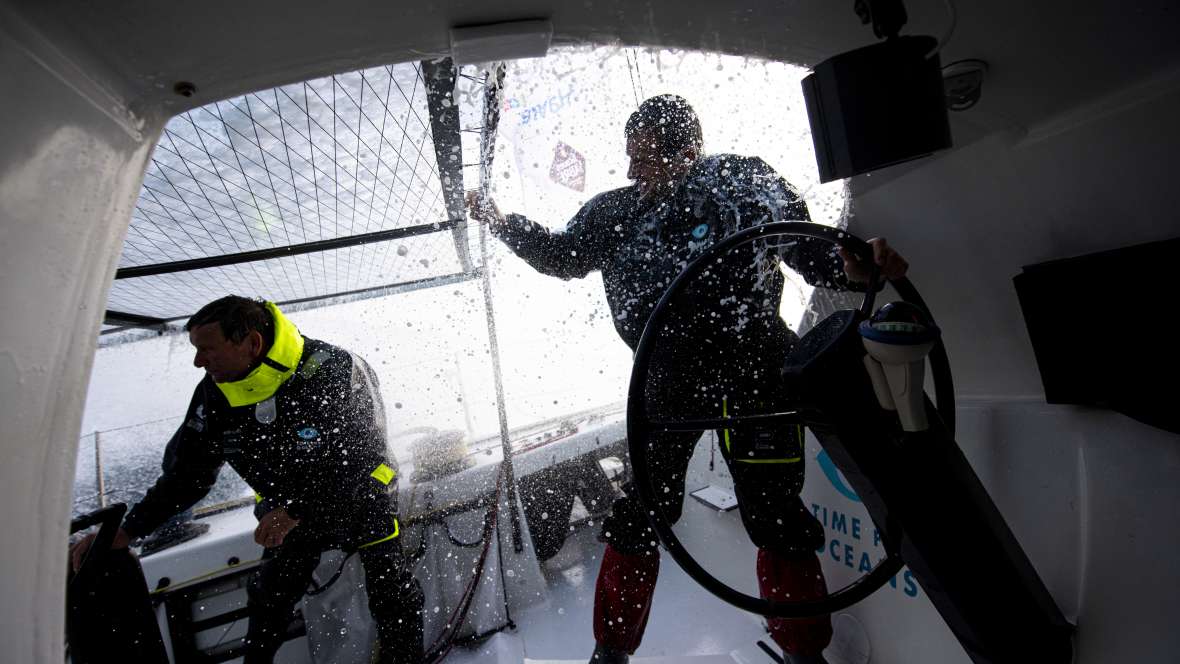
{"x": 685, "y": 621}
{"x": 686, "y": 624}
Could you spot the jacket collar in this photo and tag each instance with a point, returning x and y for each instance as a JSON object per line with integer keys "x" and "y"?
{"x": 279, "y": 364}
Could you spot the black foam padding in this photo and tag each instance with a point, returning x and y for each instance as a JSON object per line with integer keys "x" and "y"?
{"x": 1099, "y": 331}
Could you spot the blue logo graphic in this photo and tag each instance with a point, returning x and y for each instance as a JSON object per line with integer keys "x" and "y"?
{"x": 308, "y": 433}
{"x": 833, "y": 475}
{"x": 700, "y": 231}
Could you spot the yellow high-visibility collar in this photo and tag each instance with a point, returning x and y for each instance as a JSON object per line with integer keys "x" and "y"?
{"x": 279, "y": 365}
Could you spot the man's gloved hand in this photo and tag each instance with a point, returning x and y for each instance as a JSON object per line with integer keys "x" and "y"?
{"x": 273, "y": 527}
{"x": 483, "y": 209}
{"x": 893, "y": 266}
{"x": 78, "y": 550}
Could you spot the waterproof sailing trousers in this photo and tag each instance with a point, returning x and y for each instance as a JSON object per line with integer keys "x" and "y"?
{"x": 793, "y": 578}
{"x": 767, "y": 470}
{"x": 622, "y": 598}
{"x": 626, "y": 584}
{"x": 395, "y": 600}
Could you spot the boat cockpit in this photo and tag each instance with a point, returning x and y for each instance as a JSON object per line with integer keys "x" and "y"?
{"x": 991, "y": 480}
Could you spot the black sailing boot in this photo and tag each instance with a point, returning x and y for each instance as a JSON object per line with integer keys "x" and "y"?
{"x": 804, "y": 659}
{"x": 605, "y": 655}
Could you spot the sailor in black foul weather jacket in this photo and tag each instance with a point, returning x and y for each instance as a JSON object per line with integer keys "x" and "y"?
{"x": 303, "y": 424}
{"x": 718, "y": 354}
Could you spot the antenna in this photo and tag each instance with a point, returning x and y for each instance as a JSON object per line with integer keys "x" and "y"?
{"x": 887, "y": 16}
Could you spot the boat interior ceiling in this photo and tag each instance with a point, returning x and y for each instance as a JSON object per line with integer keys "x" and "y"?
{"x": 104, "y": 109}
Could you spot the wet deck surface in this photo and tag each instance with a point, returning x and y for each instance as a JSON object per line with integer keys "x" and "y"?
{"x": 686, "y": 621}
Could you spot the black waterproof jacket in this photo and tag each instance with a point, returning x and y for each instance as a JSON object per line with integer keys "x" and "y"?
{"x": 316, "y": 447}
{"x": 731, "y": 313}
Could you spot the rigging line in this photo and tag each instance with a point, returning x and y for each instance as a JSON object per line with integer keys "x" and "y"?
{"x": 639, "y": 76}
{"x": 266, "y": 168}
{"x": 200, "y": 190}
{"x": 298, "y": 205}
{"x": 313, "y": 148}
{"x": 634, "y": 91}
{"x": 263, "y": 101}
{"x": 376, "y": 176}
{"x": 225, "y": 126}
{"x": 265, "y": 152}
{"x": 274, "y": 192}
{"x": 430, "y": 163}
{"x": 334, "y": 116}
{"x": 417, "y": 159}
{"x": 188, "y": 164}
{"x": 126, "y": 287}
{"x": 148, "y": 257}
{"x": 336, "y": 171}
{"x": 203, "y": 168}
{"x": 407, "y": 185}
{"x": 425, "y": 125}
{"x": 380, "y": 148}
{"x": 254, "y": 240}
{"x": 385, "y": 205}
{"x": 384, "y": 141}
{"x": 414, "y": 212}
{"x": 340, "y": 85}
{"x": 423, "y": 193}
{"x": 380, "y": 132}
{"x": 178, "y": 217}
{"x": 183, "y": 227}
{"x": 257, "y": 207}
{"x": 221, "y": 181}
{"x": 300, "y": 135}
{"x": 133, "y": 254}
{"x": 411, "y": 109}
{"x": 356, "y": 174}
{"x": 486, "y": 152}
{"x": 348, "y": 283}
{"x": 246, "y": 176}
{"x": 311, "y": 151}
{"x": 491, "y": 111}
{"x": 379, "y": 152}
{"x": 151, "y": 304}
{"x": 398, "y": 151}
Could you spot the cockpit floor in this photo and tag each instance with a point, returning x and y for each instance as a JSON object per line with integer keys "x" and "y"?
{"x": 686, "y": 621}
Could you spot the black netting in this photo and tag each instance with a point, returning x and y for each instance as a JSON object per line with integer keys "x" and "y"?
{"x": 335, "y": 157}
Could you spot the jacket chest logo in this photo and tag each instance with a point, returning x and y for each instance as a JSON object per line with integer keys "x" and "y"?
{"x": 308, "y": 433}
{"x": 700, "y": 231}
{"x": 266, "y": 411}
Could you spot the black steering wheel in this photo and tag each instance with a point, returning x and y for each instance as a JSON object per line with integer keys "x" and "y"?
{"x": 110, "y": 518}
{"x": 639, "y": 426}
